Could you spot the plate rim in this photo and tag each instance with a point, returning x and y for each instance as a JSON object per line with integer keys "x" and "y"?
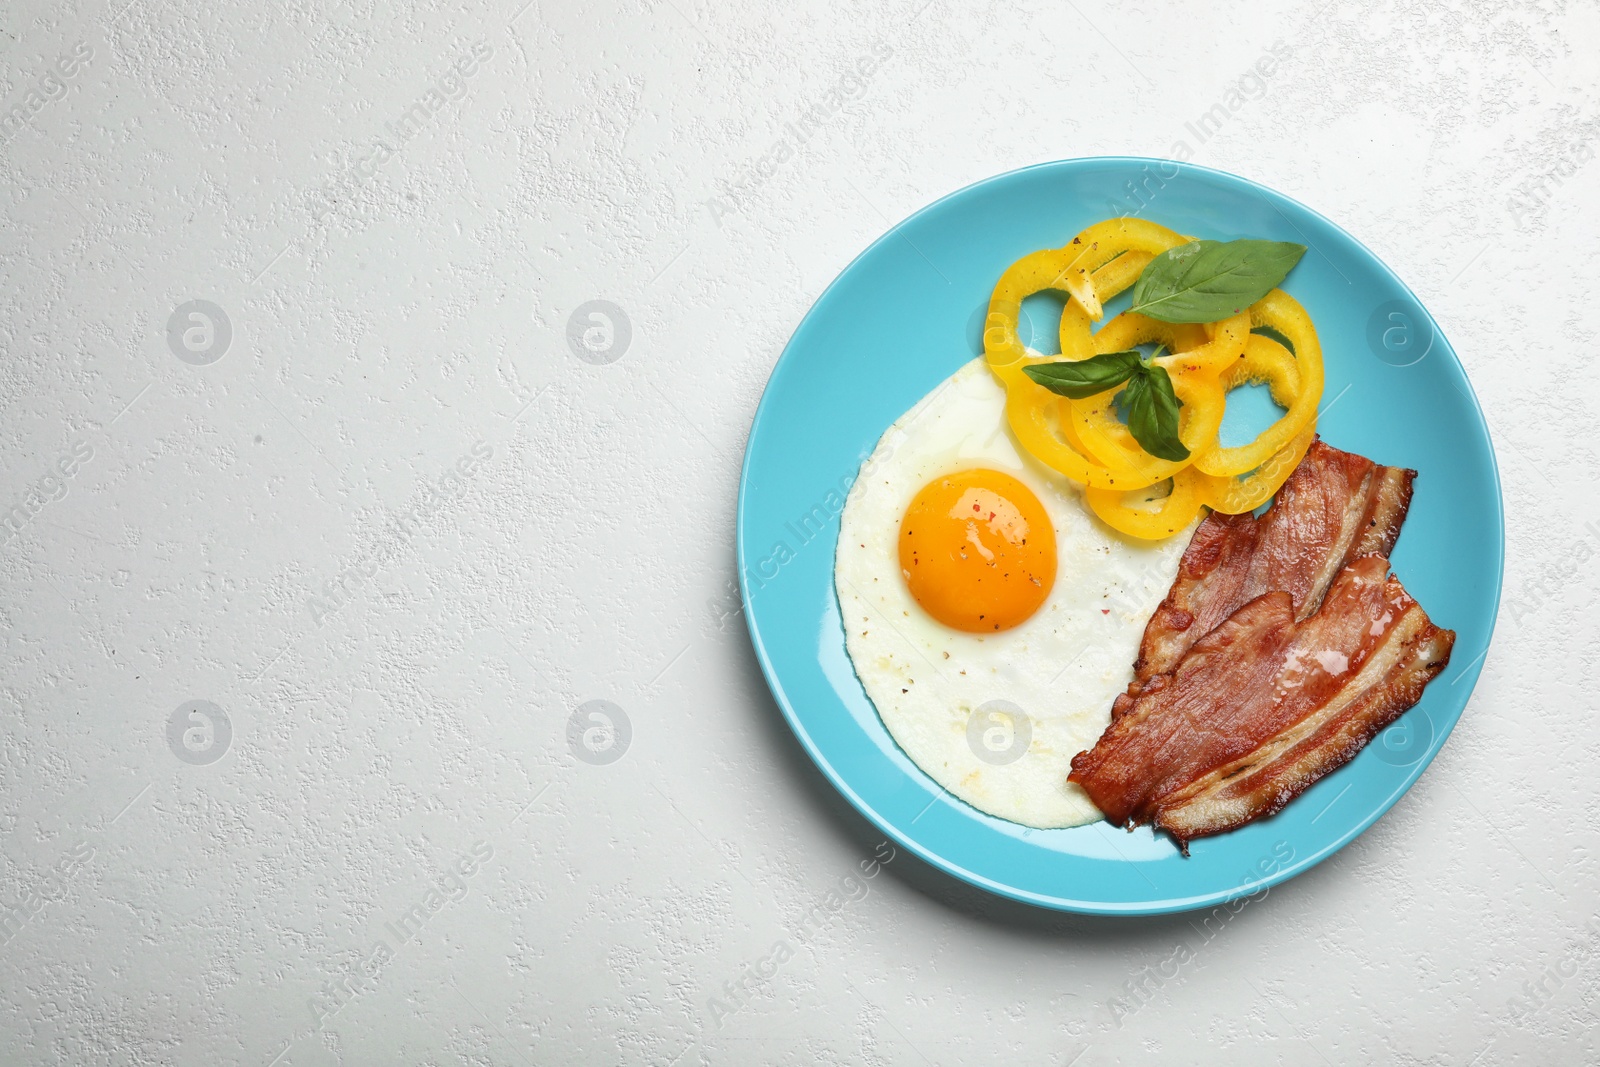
{"x": 1057, "y": 903}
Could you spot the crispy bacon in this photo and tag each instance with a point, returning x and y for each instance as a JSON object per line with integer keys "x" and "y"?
{"x": 1335, "y": 507}
{"x": 1265, "y": 704}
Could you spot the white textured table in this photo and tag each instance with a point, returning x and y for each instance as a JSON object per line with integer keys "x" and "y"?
{"x": 302, "y": 585}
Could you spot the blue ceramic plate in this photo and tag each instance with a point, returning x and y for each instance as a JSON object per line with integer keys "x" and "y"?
{"x": 903, "y": 317}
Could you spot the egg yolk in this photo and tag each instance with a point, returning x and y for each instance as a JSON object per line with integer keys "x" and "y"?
{"x": 978, "y": 550}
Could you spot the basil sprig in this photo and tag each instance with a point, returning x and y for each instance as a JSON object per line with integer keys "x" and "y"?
{"x": 1085, "y": 377}
{"x": 1153, "y": 414}
{"x": 1204, "y": 281}
{"x": 1152, "y": 405}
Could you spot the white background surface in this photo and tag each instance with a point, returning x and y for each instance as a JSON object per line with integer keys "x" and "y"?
{"x": 388, "y": 317}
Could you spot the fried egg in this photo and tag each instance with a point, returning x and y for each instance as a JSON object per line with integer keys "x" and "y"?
{"x": 990, "y": 616}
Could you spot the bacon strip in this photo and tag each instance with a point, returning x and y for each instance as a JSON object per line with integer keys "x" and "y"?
{"x": 1335, "y": 507}
{"x": 1264, "y": 705}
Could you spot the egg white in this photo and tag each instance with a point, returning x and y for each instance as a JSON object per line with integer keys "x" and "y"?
{"x": 993, "y": 718}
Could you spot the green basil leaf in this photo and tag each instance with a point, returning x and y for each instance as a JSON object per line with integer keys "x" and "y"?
{"x": 1153, "y": 414}
{"x": 1204, "y": 281}
{"x": 1085, "y": 377}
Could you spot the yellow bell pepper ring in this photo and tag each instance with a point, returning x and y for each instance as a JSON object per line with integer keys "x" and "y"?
{"x": 1129, "y": 243}
{"x": 1123, "y": 234}
{"x": 1051, "y": 269}
{"x": 1077, "y": 340}
{"x": 1034, "y": 415}
{"x": 1028, "y": 275}
{"x": 1098, "y": 264}
{"x": 1138, "y": 518}
{"x": 1107, "y": 258}
{"x": 1235, "y": 496}
{"x": 1193, "y": 349}
{"x": 1129, "y": 330}
{"x": 1265, "y": 360}
{"x": 1109, "y": 441}
{"x": 1281, "y": 312}
{"x": 1224, "y": 345}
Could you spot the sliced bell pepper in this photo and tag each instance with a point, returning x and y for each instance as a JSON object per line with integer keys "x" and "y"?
{"x": 1283, "y": 313}
{"x": 1084, "y": 440}
{"x": 1235, "y": 496}
{"x": 1265, "y": 361}
{"x": 1109, "y": 441}
{"x": 1138, "y": 518}
{"x": 1038, "y": 418}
